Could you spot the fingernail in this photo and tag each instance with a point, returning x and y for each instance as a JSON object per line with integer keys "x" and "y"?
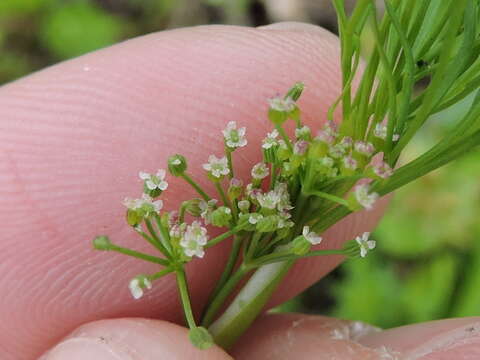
{"x": 85, "y": 348}
{"x": 461, "y": 343}
{"x": 443, "y": 339}
{"x": 292, "y": 26}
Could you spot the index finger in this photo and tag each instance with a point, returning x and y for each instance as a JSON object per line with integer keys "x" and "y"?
{"x": 74, "y": 136}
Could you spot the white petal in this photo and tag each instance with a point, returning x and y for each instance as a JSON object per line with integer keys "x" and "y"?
{"x": 161, "y": 174}
{"x": 143, "y": 175}
{"x": 306, "y": 230}
{"x": 371, "y": 244}
{"x": 200, "y": 253}
{"x": 135, "y": 289}
{"x": 151, "y": 185}
{"x": 207, "y": 167}
{"x": 163, "y": 185}
{"x": 363, "y": 251}
{"x": 147, "y": 283}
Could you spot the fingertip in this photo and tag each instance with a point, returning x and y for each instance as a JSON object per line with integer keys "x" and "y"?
{"x": 126, "y": 339}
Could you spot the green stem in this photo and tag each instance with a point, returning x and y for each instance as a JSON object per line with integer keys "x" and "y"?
{"x": 197, "y": 187}
{"x": 139, "y": 255}
{"x": 248, "y": 303}
{"x": 161, "y": 273}
{"x": 157, "y": 239}
{"x": 223, "y": 196}
{"x": 284, "y": 136}
{"x": 232, "y": 260}
{"x": 225, "y": 235}
{"x": 185, "y": 298}
{"x": 222, "y": 295}
{"x": 228, "y": 152}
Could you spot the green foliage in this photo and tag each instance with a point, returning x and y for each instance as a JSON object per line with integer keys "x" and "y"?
{"x": 369, "y": 292}
{"x": 79, "y": 27}
{"x": 20, "y": 7}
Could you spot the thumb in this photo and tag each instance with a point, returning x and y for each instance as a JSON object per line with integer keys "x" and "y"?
{"x": 126, "y": 339}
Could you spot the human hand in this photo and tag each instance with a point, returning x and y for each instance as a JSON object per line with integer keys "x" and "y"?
{"x": 74, "y": 136}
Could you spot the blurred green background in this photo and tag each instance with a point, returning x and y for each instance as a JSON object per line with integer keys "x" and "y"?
{"x": 427, "y": 265}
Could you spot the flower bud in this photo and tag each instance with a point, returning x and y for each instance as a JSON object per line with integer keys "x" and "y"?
{"x": 300, "y": 245}
{"x": 244, "y": 206}
{"x": 200, "y": 338}
{"x": 235, "y": 189}
{"x": 134, "y": 217}
{"x": 177, "y": 165}
{"x": 193, "y": 207}
{"x": 221, "y": 216}
{"x": 102, "y": 243}
{"x": 267, "y": 224}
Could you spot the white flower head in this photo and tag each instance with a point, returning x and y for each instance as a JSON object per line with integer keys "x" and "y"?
{"x": 145, "y": 204}
{"x": 380, "y": 167}
{"x": 364, "y": 148}
{"x": 260, "y": 171}
{"x": 156, "y": 181}
{"x": 137, "y": 285}
{"x": 311, "y": 237}
{"x": 364, "y": 197}
{"x": 270, "y": 140}
{"x": 269, "y": 200}
{"x": 194, "y": 239}
{"x": 217, "y": 167}
{"x": 365, "y": 244}
{"x": 234, "y": 138}
{"x": 303, "y": 132}
{"x": 281, "y": 104}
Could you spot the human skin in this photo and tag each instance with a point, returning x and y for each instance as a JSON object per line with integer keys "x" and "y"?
{"x": 72, "y": 139}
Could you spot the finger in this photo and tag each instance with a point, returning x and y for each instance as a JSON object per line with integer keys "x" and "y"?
{"x": 74, "y": 136}
{"x": 126, "y": 339}
{"x": 297, "y": 336}
{"x": 290, "y": 336}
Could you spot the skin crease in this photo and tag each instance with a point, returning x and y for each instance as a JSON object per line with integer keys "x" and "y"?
{"x": 74, "y": 136}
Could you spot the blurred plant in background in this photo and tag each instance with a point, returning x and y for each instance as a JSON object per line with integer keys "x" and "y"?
{"x": 428, "y": 261}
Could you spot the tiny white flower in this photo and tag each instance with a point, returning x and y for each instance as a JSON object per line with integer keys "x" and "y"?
{"x": 300, "y": 147}
{"x": 207, "y": 209}
{"x": 364, "y": 148}
{"x": 350, "y": 163}
{"x": 363, "y": 196}
{"x": 365, "y": 244}
{"x": 234, "y": 138}
{"x": 156, "y": 181}
{"x": 176, "y": 162}
{"x": 336, "y": 151}
{"x": 282, "y": 105}
{"x": 311, "y": 237}
{"x": 269, "y": 200}
{"x": 303, "y": 132}
{"x": 137, "y": 285}
{"x": 244, "y": 205}
{"x": 255, "y": 218}
{"x": 380, "y": 131}
{"x": 260, "y": 171}
{"x": 396, "y": 137}
{"x": 194, "y": 239}
{"x": 146, "y": 204}
{"x": 217, "y": 167}
{"x": 270, "y": 140}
